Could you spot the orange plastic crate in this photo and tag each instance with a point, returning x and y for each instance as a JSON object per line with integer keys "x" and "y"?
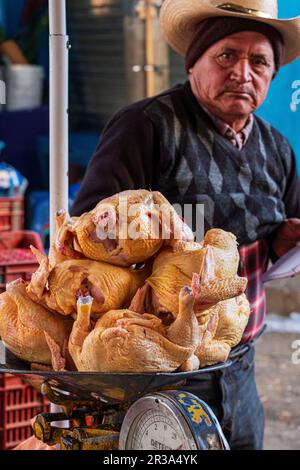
{"x": 11, "y": 213}
{"x": 16, "y": 258}
{"x": 19, "y": 403}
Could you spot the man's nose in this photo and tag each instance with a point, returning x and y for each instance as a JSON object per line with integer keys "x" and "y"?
{"x": 241, "y": 71}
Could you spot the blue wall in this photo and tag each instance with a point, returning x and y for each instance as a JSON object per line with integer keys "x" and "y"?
{"x": 277, "y": 107}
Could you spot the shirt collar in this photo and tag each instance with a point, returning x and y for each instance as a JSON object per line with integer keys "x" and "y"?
{"x": 238, "y": 139}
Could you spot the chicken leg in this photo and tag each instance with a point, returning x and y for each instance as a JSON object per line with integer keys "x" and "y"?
{"x": 184, "y": 331}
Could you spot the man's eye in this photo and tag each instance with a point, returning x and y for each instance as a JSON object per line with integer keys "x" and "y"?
{"x": 259, "y": 61}
{"x": 226, "y": 56}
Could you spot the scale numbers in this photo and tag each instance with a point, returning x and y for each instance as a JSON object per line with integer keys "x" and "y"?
{"x": 154, "y": 423}
{"x": 155, "y": 431}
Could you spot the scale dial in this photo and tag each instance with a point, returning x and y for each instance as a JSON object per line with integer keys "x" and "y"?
{"x": 170, "y": 421}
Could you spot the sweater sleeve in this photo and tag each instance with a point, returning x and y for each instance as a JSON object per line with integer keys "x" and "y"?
{"x": 291, "y": 193}
{"x": 124, "y": 159}
{"x": 291, "y": 196}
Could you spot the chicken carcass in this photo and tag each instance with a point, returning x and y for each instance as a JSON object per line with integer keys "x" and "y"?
{"x": 111, "y": 286}
{"x": 215, "y": 262}
{"x": 124, "y": 229}
{"x": 221, "y": 328}
{"x": 23, "y": 325}
{"x": 125, "y": 341}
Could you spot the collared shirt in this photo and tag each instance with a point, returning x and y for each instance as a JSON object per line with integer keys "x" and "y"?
{"x": 253, "y": 263}
{"x": 238, "y": 139}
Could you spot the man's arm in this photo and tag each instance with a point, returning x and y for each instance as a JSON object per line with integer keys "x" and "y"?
{"x": 288, "y": 234}
{"x": 124, "y": 159}
{"x": 291, "y": 197}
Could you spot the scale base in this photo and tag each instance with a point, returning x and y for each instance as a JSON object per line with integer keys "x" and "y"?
{"x": 95, "y": 425}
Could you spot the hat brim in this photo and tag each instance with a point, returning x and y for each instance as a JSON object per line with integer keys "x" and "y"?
{"x": 179, "y": 20}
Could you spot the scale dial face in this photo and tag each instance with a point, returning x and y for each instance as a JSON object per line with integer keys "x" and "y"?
{"x": 155, "y": 423}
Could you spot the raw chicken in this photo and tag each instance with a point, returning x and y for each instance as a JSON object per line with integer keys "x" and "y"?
{"x": 23, "y": 325}
{"x": 221, "y": 329}
{"x": 124, "y": 229}
{"x": 128, "y": 318}
{"x": 125, "y": 341}
{"x": 111, "y": 286}
{"x": 215, "y": 262}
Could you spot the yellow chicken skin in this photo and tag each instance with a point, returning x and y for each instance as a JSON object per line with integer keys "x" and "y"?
{"x": 214, "y": 263}
{"x": 23, "y": 325}
{"x": 125, "y": 341}
{"x": 111, "y": 286}
{"x": 62, "y": 248}
{"x": 225, "y": 253}
{"x": 124, "y": 229}
{"x": 171, "y": 271}
{"x": 221, "y": 329}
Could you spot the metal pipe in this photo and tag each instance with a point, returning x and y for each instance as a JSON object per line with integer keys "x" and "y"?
{"x": 59, "y": 119}
{"x": 59, "y": 103}
{"x": 150, "y": 55}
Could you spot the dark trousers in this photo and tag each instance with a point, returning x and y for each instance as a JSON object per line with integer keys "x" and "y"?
{"x": 233, "y": 397}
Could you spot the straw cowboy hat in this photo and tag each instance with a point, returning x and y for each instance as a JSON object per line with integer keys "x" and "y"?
{"x": 179, "y": 18}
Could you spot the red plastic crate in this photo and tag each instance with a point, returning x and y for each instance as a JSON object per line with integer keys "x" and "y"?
{"x": 19, "y": 403}
{"x": 11, "y": 213}
{"x": 16, "y": 258}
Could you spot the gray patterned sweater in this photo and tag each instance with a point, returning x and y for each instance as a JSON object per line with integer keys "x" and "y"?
{"x": 168, "y": 143}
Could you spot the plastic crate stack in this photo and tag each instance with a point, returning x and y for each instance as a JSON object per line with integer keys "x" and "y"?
{"x": 11, "y": 213}
{"x": 19, "y": 403}
{"x": 16, "y": 258}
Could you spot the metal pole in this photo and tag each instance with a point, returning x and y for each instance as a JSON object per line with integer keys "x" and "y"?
{"x": 150, "y": 56}
{"x": 59, "y": 120}
{"x": 59, "y": 102}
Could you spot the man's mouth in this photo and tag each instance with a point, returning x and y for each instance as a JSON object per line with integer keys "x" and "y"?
{"x": 239, "y": 94}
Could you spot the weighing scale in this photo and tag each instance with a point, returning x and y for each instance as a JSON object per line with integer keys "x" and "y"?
{"x": 149, "y": 411}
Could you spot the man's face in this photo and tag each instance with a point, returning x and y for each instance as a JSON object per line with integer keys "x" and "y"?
{"x": 233, "y": 76}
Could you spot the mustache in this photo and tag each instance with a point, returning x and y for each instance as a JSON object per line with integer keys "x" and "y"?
{"x": 238, "y": 89}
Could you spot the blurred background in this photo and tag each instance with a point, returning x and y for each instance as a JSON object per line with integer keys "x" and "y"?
{"x": 113, "y": 41}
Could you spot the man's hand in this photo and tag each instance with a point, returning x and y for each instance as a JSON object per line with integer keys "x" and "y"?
{"x": 287, "y": 236}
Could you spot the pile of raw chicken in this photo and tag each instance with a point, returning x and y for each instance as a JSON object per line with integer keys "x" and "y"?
{"x": 117, "y": 304}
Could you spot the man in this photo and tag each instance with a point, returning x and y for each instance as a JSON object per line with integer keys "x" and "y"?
{"x": 201, "y": 143}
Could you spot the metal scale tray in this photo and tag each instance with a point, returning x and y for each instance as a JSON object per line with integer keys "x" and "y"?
{"x": 110, "y": 388}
